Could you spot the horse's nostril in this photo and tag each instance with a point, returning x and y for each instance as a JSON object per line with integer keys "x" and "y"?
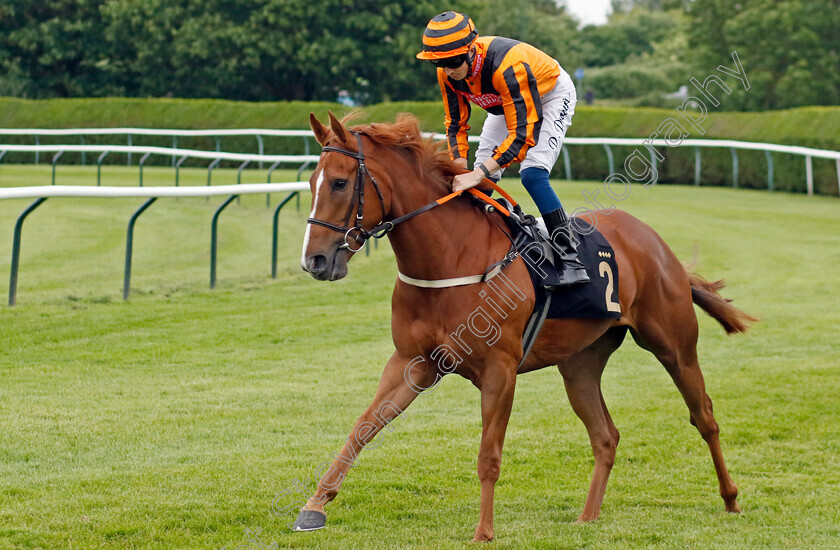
{"x": 316, "y": 264}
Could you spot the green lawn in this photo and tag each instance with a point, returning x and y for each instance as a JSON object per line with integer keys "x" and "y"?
{"x": 172, "y": 420}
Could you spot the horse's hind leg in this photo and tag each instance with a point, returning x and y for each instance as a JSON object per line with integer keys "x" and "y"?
{"x": 674, "y": 342}
{"x": 582, "y": 377}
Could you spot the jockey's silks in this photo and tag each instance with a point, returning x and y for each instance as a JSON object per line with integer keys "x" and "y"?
{"x": 507, "y": 77}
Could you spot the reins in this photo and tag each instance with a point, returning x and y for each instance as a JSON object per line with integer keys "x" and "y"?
{"x": 383, "y": 228}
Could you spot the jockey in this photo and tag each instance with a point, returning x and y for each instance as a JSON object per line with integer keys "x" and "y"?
{"x": 529, "y": 101}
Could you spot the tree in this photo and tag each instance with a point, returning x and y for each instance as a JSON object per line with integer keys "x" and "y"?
{"x": 182, "y": 48}
{"x": 541, "y": 23}
{"x": 53, "y": 48}
{"x": 317, "y": 47}
{"x": 626, "y": 35}
{"x": 626, "y": 6}
{"x": 790, "y": 49}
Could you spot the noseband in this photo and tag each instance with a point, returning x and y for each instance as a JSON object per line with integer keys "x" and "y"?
{"x": 362, "y": 235}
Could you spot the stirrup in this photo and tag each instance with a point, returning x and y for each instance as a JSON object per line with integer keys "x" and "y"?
{"x": 564, "y": 282}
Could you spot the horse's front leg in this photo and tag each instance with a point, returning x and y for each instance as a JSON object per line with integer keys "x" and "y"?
{"x": 398, "y": 387}
{"x": 497, "y": 388}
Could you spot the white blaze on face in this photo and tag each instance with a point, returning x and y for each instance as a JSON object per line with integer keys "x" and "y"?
{"x": 318, "y": 183}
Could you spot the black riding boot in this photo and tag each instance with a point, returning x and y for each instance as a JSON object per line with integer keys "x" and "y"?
{"x": 573, "y": 272}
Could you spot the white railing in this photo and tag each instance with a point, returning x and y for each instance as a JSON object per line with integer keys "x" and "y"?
{"x": 81, "y": 191}
{"x": 174, "y": 152}
{"x": 180, "y": 154}
{"x": 42, "y": 193}
{"x": 165, "y": 151}
{"x": 732, "y": 145}
{"x": 152, "y": 132}
{"x": 173, "y": 133}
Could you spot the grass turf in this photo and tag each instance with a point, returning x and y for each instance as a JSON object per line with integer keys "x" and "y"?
{"x": 172, "y": 420}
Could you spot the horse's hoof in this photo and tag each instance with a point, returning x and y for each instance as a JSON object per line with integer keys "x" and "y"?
{"x": 484, "y": 536}
{"x": 310, "y": 520}
{"x": 733, "y": 507}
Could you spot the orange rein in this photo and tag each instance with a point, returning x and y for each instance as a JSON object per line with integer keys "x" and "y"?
{"x": 484, "y": 197}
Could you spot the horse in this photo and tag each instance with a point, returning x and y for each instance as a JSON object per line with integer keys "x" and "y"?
{"x": 467, "y": 326}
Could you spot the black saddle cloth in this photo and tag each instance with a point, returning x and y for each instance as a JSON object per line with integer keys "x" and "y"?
{"x": 597, "y": 299}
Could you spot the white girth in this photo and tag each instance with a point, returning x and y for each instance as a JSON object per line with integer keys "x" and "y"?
{"x": 494, "y": 270}
{"x": 441, "y": 283}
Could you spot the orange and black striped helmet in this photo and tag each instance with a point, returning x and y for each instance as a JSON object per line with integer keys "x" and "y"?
{"x": 447, "y": 35}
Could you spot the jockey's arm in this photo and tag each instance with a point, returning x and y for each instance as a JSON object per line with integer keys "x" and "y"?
{"x": 462, "y": 182}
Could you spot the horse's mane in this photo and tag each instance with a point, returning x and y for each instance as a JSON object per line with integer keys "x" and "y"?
{"x": 404, "y": 136}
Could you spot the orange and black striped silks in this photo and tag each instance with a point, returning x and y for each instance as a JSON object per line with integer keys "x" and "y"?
{"x": 508, "y": 77}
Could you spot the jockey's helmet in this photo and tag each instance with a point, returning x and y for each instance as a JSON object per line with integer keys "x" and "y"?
{"x": 447, "y": 35}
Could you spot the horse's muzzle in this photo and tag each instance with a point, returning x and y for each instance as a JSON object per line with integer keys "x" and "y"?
{"x": 324, "y": 268}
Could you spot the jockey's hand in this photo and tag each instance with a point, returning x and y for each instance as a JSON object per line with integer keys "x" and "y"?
{"x": 462, "y": 182}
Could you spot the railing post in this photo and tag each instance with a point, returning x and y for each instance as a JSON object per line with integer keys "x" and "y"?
{"x": 210, "y": 171}
{"x": 734, "y": 166}
{"x": 128, "y": 163}
{"x": 652, "y": 153}
{"x": 178, "y": 168}
{"x": 16, "y": 249}
{"x": 610, "y": 160}
{"x": 261, "y": 148}
{"x": 809, "y": 175}
{"x": 37, "y": 153}
{"x": 129, "y": 246}
{"x": 769, "y": 156}
{"x": 239, "y": 175}
{"x": 303, "y": 167}
{"x": 142, "y": 161}
{"x": 274, "y": 230}
{"x": 298, "y": 176}
{"x": 54, "y": 160}
{"x": 567, "y": 162}
{"x": 3, "y": 154}
{"x": 268, "y": 180}
{"x": 838, "y": 177}
{"x": 697, "y": 166}
{"x": 213, "y": 239}
{"x": 81, "y": 137}
{"x": 99, "y": 167}
{"x": 174, "y": 146}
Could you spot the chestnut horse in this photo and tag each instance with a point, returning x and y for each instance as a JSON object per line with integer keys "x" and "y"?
{"x": 400, "y": 172}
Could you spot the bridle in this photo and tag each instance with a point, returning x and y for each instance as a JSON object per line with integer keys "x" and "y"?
{"x": 384, "y": 227}
{"x": 358, "y": 197}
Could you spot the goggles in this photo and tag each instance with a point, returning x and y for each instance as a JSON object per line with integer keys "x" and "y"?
{"x": 449, "y": 62}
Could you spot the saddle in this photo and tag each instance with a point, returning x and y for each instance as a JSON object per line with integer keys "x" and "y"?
{"x": 597, "y": 299}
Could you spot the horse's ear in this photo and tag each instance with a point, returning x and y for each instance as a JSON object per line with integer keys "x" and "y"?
{"x": 321, "y": 131}
{"x": 338, "y": 128}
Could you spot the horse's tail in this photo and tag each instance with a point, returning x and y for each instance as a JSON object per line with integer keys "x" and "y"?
{"x": 707, "y": 296}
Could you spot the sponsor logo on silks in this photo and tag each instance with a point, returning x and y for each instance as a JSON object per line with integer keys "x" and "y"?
{"x": 483, "y": 100}
{"x": 479, "y": 59}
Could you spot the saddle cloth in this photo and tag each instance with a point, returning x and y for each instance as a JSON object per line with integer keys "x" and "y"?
{"x": 597, "y": 299}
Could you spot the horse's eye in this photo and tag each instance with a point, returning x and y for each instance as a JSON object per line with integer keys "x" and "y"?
{"x": 338, "y": 185}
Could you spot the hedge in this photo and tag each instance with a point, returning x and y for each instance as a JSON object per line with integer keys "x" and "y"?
{"x": 808, "y": 126}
